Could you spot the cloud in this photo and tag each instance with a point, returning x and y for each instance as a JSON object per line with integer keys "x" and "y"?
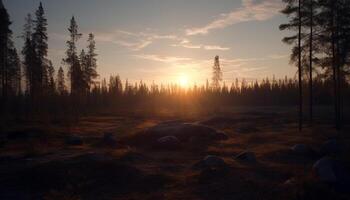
{"x": 136, "y": 46}
{"x": 250, "y": 11}
{"x": 132, "y": 41}
{"x": 188, "y": 46}
{"x": 214, "y": 47}
{"x": 141, "y": 40}
{"x": 160, "y": 58}
{"x": 185, "y": 43}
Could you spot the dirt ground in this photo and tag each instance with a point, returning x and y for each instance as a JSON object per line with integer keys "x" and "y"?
{"x": 37, "y": 162}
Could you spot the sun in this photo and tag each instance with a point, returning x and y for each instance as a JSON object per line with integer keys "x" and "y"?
{"x": 183, "y": 81}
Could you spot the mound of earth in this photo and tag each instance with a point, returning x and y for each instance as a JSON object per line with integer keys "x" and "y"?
{"x": 88, "y": 175}
{"x": 184, "y": 132}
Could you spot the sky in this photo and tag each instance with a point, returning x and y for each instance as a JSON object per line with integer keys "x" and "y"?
{"x": 169, "y": 40}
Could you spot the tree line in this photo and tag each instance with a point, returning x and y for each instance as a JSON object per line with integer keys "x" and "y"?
{"x": 321, "y": 46}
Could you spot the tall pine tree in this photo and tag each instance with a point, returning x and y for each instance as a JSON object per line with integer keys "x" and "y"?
{"x": 217, "y": 74}
{"x": 60, "y": 82}
{"x": 5, "y": 34}
{"x": 72, "y": 59}
{"x": 29, "y": 54}
{"x": 40, "y": 39}
{"x": 90, "y": 72}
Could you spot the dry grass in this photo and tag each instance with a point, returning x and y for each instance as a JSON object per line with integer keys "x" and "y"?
{"x": 171, "y": 173}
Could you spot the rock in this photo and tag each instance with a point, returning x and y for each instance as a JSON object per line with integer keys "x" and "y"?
{"x": 168, "y": 142}
{"x": 74, "y": 140}
{"x": 169, "y": 139}
{"x": 330, "y": 147}
{"x": 190, "y": 135}
{"x": 210, "y": 162}
{"x": 246, "y": 156}
{"x": 290, "y": 182}
{"x": 334, "y": 173}
{"x": 185, "y": 131}
{"x": 108, "y": 139}
{"x": 324, "y": 169}
{"x": 302, "y": 149}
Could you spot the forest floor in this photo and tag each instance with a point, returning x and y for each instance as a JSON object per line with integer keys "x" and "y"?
{"x": 104, "y": 157}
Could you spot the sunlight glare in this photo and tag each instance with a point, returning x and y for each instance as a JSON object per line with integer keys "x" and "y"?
{"x": 183, "y": 81}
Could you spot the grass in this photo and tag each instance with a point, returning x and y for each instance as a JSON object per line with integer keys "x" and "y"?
{"x": 166, "y": 174}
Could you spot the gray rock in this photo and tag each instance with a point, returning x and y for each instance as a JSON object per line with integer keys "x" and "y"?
{"x": 168, "y": 141}
{"x": 324, "y": 169}
{"x": 74, "y": 140}
{"x": 290, "y": 182}
{"x": 211, "y": 161}
{"x": 246, "y": 156}
{"x": 186, "y": 131}
{"x": 334, "y": 173}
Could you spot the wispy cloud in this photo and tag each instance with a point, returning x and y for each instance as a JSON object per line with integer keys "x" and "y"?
{"x": 185, "y": 43}
{"x": 140, "y": 40}
{"x": 132, "y": 41}
{"x": 160, "y": 58}
{"x": 250, "y": 11}
{"x": 215, "y": 47}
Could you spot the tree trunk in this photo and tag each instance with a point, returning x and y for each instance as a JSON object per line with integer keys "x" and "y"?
{"x": 334, "y": 68}
{"x": 310, "y": 67}
{"x": 300, "y": 71}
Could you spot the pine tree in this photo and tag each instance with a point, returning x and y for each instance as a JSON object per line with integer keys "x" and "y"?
{"x": 312, "y": 7}
{"x": 90, "y": 72}
{"x": 294, "y": 10}
{"x": 334, "y": 38}
{"x": 217, "y": 74}
{"x": 28, "y": 53}
{"x": 72, "y": 60}
{"x": 5, "y": 34}
{"x": 13, "y": 71}
{"x": 61, "y": 85}
{"x": 51, "y": 80}
{"x": 83, "y": 65}
{"x": 40, "y": 39}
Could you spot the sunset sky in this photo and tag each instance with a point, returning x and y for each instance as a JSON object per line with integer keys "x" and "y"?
{"x": 164, "y": 40}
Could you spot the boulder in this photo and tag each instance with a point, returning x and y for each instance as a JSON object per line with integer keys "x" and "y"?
{"x": 334, "y": 173}
{"x": 74, "y": 140}
{"x": 190, "y": 135}
{"x": 324, "y": 169}
{"x": 211, "y": 162}
{"x": 246, "y": 156}
{"x": 168, "y": 142}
